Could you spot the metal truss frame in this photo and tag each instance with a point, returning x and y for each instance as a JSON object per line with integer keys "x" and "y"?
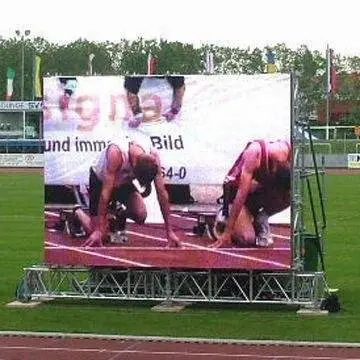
{"x": 292, "y": 288}
{"x": 297, "y": 183}
{"x": 301, "y": 185}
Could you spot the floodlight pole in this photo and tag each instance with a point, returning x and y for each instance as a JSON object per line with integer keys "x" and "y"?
{"x": 22, "y": 40}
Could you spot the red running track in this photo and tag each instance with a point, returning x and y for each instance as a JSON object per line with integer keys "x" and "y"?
{"x": 147, "y": 249}
{"x": 65, "y": 348}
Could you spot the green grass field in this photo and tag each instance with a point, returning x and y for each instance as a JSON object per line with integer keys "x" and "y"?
{"x": 22, "y": 245}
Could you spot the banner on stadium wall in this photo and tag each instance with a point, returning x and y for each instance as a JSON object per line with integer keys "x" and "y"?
{"x": 354, "y": 161}
{"x": 22, "y": 160}
{"x": 16, "y": 106}
{"x": 216, "y": 118}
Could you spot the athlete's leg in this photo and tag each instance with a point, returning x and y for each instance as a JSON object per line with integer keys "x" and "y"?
{"x": 135, "y": 207}
{"x": 85, "y": 219}
{"x": 244, "y": 232}
{"x": 263, "y": 203}
{"x": 89, "y": 221}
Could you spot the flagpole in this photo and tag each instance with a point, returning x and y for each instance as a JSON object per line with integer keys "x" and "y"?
{"x": 33, "y": 77}
{"x": 328, "y": 91}
{"x": 22, "y": 68}
{"x": 327, "y": 116}
{"x": 22, "y": 44}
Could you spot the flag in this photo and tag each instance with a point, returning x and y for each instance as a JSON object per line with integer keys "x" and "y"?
{"x": 331, "y": 75}
{"x": 151, "y": 64}
{"x": 270, "y": 66}
{"x": 37, "y": 78}
{"x": 10, "y": 80}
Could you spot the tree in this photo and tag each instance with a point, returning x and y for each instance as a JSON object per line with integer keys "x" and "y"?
{"x": 130, "y": 57}
{"x": 10, "y": 56}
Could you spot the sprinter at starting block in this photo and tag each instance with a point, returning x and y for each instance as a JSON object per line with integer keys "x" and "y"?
{"x": 70, "y": 224}
{"x": 256, "y": 187}
{"x": 124, "y": 173}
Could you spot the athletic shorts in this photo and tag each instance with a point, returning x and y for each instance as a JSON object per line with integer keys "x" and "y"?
{"x": 254, "y": 201}
{"x": 120, "y": 194}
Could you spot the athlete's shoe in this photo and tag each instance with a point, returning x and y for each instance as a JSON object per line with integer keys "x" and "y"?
{"x": 119, "y": 237}
{"x": 264, "y": 241}
{"x": 262, "y": 230}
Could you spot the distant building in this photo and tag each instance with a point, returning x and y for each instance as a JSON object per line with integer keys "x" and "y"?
{"x": 340, "y": 108}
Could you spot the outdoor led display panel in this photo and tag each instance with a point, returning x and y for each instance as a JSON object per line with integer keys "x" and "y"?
{"x": 168, "y": 171}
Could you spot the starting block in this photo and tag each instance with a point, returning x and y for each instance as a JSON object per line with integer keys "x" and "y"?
{"x": 117, "y": 234}
{"x": 70, "y": 225}
{"x": 212, "y": 223}
{"x": 205, "y": 224}
{"x": 118, "y": 237}
{"x": 208, "y": 219}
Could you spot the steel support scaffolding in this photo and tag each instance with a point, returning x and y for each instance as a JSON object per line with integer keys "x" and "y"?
{"x": 293, "y": 288}
{"x": 298, "y": 286}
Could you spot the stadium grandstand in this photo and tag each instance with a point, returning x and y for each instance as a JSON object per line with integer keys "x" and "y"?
{"x": 21, "y": 128}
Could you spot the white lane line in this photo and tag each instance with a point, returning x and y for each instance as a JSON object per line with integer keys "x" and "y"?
{"x": 93, "y": 253}
{"x": 216, "y": 251}
{"x": 175, "y": 353}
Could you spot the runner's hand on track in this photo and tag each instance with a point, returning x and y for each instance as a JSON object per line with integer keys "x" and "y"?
{"x": 95, "y": 239}
{"x": 222, "y": 241}
{"x": 173, "y": 240}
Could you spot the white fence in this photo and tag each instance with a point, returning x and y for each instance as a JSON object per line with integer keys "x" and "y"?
{"x": 335, "y": 132}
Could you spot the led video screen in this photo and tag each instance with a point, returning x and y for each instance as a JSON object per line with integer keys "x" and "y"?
{"x": 168, "y": 171}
